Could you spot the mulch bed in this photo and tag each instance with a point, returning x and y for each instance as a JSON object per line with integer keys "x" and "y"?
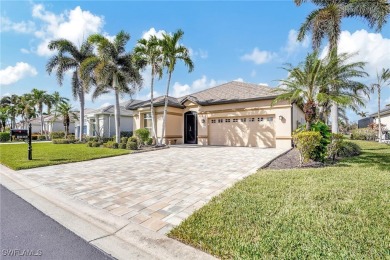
{"x": 291, "y": 160}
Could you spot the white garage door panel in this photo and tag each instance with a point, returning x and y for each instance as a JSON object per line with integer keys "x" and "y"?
{"x": 252, "y": 132}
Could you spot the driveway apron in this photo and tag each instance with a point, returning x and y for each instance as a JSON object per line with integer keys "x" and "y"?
{"x": 155, "y": 189}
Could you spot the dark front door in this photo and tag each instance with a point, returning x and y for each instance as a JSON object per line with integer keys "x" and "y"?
{"x": 190, "y": 128}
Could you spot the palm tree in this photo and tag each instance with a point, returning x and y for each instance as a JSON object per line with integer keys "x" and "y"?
{"x": 27, "y": 108}
{"x": 3, "y": 118}
{"x": 113, "y": 69}
{"x": 11, "y": 103}
{"x": 65, "y": 110}
{"x": 362, "y": 114}
{"x": 69, "y": 57}
{"x": 172, "y": 52}
{"x": 383, "y": 79}
{"x": 149, "y": 52}
{"x": 326, "y": 22}
{"x": 302, "y": 86}
{"x": 40, "y": 98}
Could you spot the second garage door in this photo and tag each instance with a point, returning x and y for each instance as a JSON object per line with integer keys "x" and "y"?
{"x": 255, "y": 131}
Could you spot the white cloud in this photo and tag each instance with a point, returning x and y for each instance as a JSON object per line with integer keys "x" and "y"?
{"x": 293, "y": 44}
{"x": 25, "y": 51}
{"x": 159, "y": 34}
{"x": 20, "y": 27}
{"x": 180, "y": 90}
{"x": 372, "y": 48}
{"x": 264, "y": 84}
{"x": 75, "y": 25}
{"x": 146, "y": 96}
{"x": 199, "y": 53}
{"x": 258, "y": 56}
{"x": 239, "y": 80}
{"x": 12, "y": 74}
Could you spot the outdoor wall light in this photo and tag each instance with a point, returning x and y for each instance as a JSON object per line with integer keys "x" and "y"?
{"x": 281, "y": 117}
{"x": 203, "y": 121}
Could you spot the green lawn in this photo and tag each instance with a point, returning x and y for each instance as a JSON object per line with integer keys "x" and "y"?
{"x": 339, "y": 212}
{"x": 14, "y": 156}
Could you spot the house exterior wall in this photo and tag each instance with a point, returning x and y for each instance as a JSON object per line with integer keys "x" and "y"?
{"x": 298, "y": 116}
{"x": 175, "y": 119}
{"x": 385, "y": 120}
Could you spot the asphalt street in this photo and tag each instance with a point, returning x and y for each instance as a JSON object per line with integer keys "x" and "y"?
{"x": 27, "y": 233}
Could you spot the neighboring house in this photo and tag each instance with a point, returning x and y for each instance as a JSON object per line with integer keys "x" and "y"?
{"x": 101, "y": 122}
{"x": 56, "y": 124}
{"x": 35, "y": 124}
{"x": 232, "y": 114}
{"x": 385, "y": 116}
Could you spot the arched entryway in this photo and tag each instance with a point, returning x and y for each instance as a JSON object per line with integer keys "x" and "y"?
{"x": 191, "y": 127}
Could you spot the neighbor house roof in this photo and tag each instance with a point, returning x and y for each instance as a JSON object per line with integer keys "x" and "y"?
{"x": 231, "y": 92}
{"x": 385, "y": 111}
{"x": 110, "y": 109}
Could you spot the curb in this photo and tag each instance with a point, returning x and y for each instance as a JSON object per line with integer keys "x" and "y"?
{"x": 114, "y": 235}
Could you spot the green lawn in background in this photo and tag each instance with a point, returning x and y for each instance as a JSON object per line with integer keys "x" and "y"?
{"x": 14, "y": 156}
{"x": 338, "y": 212}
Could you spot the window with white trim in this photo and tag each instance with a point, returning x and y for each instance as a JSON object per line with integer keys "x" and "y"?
{"x": 148, "y": 121}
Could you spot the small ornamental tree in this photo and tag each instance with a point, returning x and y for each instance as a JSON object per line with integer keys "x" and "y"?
{"x": 142, "y": 135}
{"x": 335, "y": 145}
{"x": 306, "y": 143}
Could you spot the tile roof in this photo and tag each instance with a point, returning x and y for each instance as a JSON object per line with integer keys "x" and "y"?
{"x": 230, "y": 92}
{"x": 110, "y": 109}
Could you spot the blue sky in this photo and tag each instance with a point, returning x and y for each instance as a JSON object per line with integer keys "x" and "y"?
{"x": 235, "y": 40}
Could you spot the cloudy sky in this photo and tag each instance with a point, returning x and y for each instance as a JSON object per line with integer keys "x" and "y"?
{"x": 235, "y": 40}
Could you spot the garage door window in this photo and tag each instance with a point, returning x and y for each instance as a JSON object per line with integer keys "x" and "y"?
{"x": 260, "y": 119}
{"x": 235, "y": 120}
{"x": 213, "y": 121}
{"x": 251, "y": 119}
{"x": 227, "y": 120}
{"x": 243, "y": 120}
{"x": 220, "y": 120}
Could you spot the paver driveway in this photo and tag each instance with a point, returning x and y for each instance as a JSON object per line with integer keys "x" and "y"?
{"x": 155, "y": 189}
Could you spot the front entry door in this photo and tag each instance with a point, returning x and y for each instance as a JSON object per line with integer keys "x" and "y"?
{"x": 190, "y": 128}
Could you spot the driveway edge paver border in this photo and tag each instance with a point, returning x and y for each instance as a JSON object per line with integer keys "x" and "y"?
{"x": 114, "y": 235}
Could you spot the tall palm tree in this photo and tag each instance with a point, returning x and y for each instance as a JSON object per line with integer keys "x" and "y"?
{"x": 3, "y": 118}
{"x": 41, "y": 98}
{"x": 149, "y": 52}
{"x": 303, "y": 85}
{"x": 27, "y": 108}
{"x": 11, "y": 103}
{"x": 69, "y": 57}
{"x": 113, "y": 69}
{"x": 362, "y": 114}
{"x": 173, "y": 52}
{"x": 383, "y": 79}
{"x": 64, "y": 109}
{"x": 326, "y": 22}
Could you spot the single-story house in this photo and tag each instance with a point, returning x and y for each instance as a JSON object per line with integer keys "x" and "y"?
{"x": 56, "y": 124}
{"x": 35, "y": 124}
{"x": 101, "y": 122}
{"x": 385, "y": 116}
{"x": 231, "y": 114}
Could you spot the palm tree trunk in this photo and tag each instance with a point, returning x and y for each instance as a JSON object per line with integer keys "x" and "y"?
{"x": 117, "y": 113}
{"x": 154, "y": 132}
{"x": 41, "y": 116}
{"x": 379, "y": 115}
{"x": 81, "y": 122}
{"x": 334, "y": 109}
{"x": 165, "y": 109}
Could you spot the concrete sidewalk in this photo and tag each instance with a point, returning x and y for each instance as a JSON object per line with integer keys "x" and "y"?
{"x": 115, "y": 235}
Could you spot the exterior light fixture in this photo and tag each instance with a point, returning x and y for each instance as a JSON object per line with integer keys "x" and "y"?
{"x": 203, "y": 121}
{"x": 281, "y": 117}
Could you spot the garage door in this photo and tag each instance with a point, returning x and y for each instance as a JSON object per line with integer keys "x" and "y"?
{"x": 242, "y": 131}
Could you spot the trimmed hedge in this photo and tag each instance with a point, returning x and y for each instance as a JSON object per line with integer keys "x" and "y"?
{"x": 307, "y": 142}
{"x": 364, "y": 134}
{"x": 124, "y": 140}
{"x": 57, "y": 135}
{"x": 5, "y": 136}
{"x": 41, "y": 138}
{"x": 131, "y": 146}
{"x": 349, "y": 149}
{"x": 63, "y": 141}
{"x": 122, "y": 146}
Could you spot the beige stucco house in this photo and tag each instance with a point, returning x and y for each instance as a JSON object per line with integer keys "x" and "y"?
{"x": 231, "y": 114}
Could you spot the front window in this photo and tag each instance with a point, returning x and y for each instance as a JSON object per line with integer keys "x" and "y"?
{"x": 148, "y": 121}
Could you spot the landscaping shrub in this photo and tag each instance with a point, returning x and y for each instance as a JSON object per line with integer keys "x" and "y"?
{"x": 150, "y": 141}
{"x": 349, "y": 149}
{"x": 92, "y": 139}
{"x": 41, "y": 138}
{"x": 132, "y": 139}
{"x": 35, "y": 136}
{"x": 4, "y": 136}
{"x": 335, "y": 145}
{"x": 89, "y": 144}
{"x": 126, "y": 134}
{"x": 108, "y": 144}
{"x": 115, "y": 145}
{"x": 71, "y": 137}
{"x": 364, "y": 134}
{"x": 307, "y": 142}
{"x": 62, "y": 141}
{"x": 142, "y": 135}
{"x": 131, "y": 145}
{"x": 57, "y": 135}
{"x": 320, "y": 152}
{"x": 122, "y": 145}
{"x": 107, "y": 139}
{"x": 124, "y": 140}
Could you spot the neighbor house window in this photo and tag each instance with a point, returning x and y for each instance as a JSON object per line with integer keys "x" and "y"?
{"x": 148, "y": 121}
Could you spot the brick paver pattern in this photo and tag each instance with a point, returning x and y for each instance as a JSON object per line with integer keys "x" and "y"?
{"x": 155, "y": 189}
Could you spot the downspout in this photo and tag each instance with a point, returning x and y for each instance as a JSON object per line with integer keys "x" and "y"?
{"x": 292, "y": 123}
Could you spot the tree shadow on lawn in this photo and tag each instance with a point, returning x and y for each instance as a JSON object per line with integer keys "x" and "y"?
{"x": 369, "y": 159}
